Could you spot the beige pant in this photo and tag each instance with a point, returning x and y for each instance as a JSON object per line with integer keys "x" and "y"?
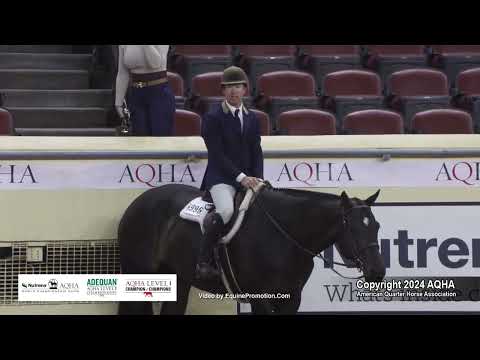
{"x": 222, "y": 196}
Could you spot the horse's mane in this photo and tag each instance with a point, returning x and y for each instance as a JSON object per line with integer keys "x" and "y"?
{"x": 319, "y": 197}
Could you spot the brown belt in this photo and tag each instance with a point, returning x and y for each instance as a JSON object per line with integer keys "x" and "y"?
{"x": 142, "y": 84}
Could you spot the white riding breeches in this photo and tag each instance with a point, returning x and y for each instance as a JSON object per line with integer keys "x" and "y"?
{"x": 223, "y": 196}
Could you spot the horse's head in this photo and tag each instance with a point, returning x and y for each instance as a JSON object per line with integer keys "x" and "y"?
{"x": 359, "y": 243}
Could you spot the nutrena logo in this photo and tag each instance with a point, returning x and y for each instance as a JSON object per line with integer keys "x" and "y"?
{"x": 452, "y": 252}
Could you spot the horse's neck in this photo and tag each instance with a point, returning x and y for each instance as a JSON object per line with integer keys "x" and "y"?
{"x": 315, "y": 229}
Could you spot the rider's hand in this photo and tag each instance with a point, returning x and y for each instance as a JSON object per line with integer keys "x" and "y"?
{"x": 249, "y": 182}
{"x": 120, "y": 111}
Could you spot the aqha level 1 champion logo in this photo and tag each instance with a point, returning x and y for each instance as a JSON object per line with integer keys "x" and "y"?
{"x": 148, "y": 287}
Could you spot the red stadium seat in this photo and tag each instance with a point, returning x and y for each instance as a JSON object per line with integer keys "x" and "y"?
{"x": 286, "y": 83}
{"x": 306, "y": 122}
{"x": 453, "y": 59}
{"x": 396, "y": 50}
{"x": 442, "y": 121}
{"x": 330, "y": 50}
{"x": 267, "y": 50}
{"x": 387, "y": 59}
{"x": 319, "y": 60}
{"x": 373, "y": 122}
{"x": 260, "y": 59}
{"x": 176, "y": 83}
{"x": 416, "y": 90}
{"x": 352, "y": 83}
{"x": 418, "y": 82}
{"x": 468, "y": 82}
{"x": 351, "y": 90}
{"x": 191, "y": 60}
{"x": 203, "y": 50}
{"x": 6, "y": 122}
{"x": 468, "y": 94}
{"x": 286, "y": 90}
{"x": 456, "y": 49}
{"x": 264, "y": 121}
{"x": 208, "y": 84}
{"x": 187, "y": 123}
{"x": 207, "y": 92}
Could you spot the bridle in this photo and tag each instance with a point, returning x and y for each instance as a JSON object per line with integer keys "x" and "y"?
{"x": 356, "y": 252}
{"x": 345, "y": 220}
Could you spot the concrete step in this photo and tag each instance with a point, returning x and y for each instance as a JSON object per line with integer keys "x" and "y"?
{"x": 43, "y": 79}
{"x": 57, "y": 117}
{"x": 66, "y": 132}
{"x": 57, "y": 98}
{"x": 36, "y": 48}
{"x": 45, "y": 61}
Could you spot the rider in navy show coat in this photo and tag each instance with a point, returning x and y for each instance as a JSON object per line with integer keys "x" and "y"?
{"x": 231, "y": 152}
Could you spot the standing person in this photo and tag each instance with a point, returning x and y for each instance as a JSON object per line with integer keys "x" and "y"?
{"x": 235, "y": 159}
{"x": 150, "y": 99}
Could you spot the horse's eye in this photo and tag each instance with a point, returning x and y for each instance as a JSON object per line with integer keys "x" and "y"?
{"x": 366, "y": 221}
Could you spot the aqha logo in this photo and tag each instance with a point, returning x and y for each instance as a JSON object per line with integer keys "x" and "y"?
{"x": 154, "y": 175}
{"x": 462, "y": 171}
{"x": 17, "y": 174}
{"x": 313, "y": 173}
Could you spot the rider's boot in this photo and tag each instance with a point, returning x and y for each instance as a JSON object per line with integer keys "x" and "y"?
{"x": 213, "y": 230}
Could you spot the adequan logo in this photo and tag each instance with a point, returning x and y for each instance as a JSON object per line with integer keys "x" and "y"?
{"x": 102, "y": 286}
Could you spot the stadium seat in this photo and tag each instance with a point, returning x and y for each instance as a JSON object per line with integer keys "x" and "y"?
{"x": 264, "y": 121}
{"x": 187, "y": 123}
{"x": 373, "y": 122}
{"x": 415, "y": 90}
{"x": 347, "y": 91}
{"x": 6, "y": 122}
{"x": 387, "y": 59}
{"x": 319, "y": 60}
{"x": 281, "y": 91}
{"x": 191, "y": 60}
{"x": 442, "y": 121}
{"x": 207, "y": 92}
{"x": 467, "y": 97}
{"x": 306, "y": 122}
{"x": 208, "y": 84}
{"x": 452, "y": 59}
{"x": 176, "y": 83}
{"x": 260, "y": 59}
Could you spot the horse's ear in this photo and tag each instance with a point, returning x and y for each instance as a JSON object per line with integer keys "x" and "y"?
{"x": 371, "y": 200}
{"x": 346, "y": 202}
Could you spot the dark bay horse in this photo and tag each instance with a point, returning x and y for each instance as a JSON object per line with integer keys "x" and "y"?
{"x": 272, "y": 252}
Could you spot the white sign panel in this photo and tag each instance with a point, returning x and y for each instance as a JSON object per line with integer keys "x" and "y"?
{"x": 298, "y": 173}
{"x": 416, "y": 241}
{"x": 104, "y": 287}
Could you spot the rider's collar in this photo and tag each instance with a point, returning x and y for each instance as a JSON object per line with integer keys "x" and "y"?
{"x": 225, "y": 107}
